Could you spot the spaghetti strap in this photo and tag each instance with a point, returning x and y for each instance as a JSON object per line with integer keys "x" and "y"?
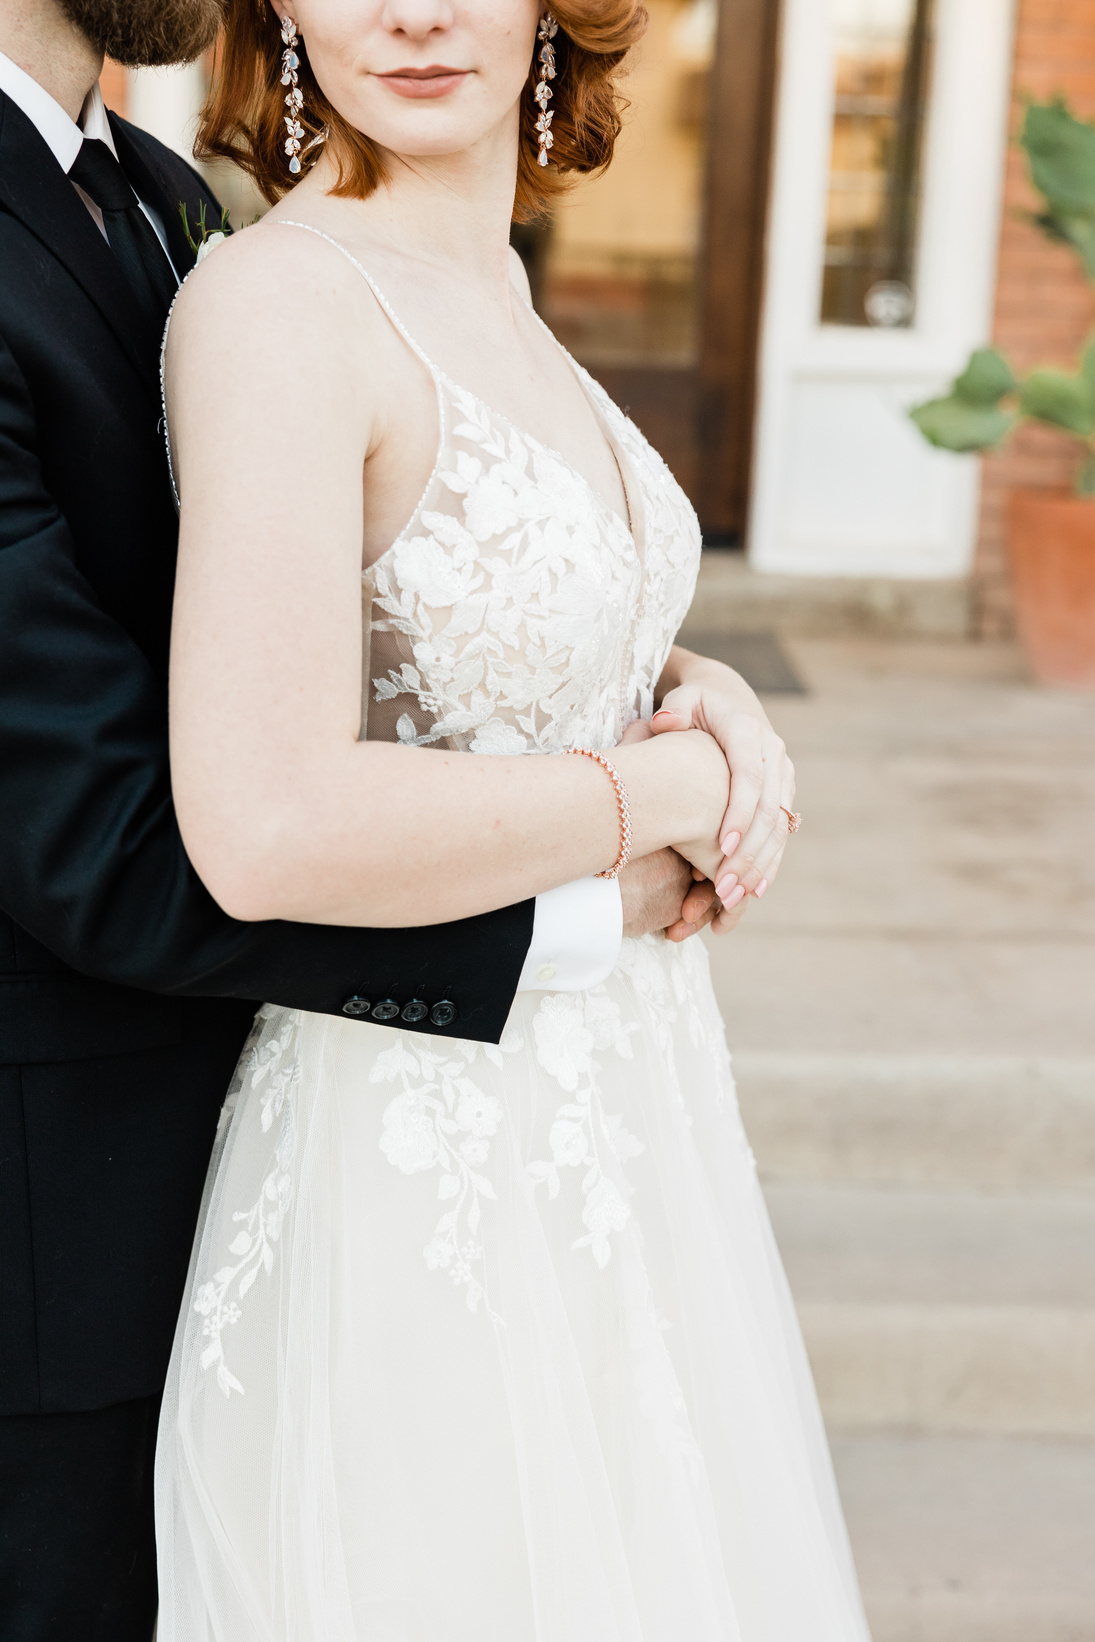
{"x": 419, "y": 352}
{"x": 445, "y": 386}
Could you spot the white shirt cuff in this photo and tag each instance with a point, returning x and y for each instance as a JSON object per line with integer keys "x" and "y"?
{"x": 576, "y": 937}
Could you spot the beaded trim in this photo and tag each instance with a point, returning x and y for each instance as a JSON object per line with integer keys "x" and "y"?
{"x": 622, "y": 805}
{"x": 543, "y": 93}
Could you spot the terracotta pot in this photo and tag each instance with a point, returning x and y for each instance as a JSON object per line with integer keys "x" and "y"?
{"x": 1052, "y": 544}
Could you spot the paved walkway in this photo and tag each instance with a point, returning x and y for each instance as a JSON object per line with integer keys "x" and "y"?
{"x": 912, "y": 1011}
{"x": 941, "y": 896}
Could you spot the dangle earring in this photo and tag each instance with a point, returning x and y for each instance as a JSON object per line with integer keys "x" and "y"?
{"x": 294, "y": 100}
{"x": 542, "y": 92}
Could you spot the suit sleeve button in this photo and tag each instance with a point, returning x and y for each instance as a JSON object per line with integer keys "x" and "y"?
{"x": 356, "y": 1006}
{"x": 443, "y": 1013}
{"x": 386, "y": 1010}
{"x": 415, "y": 1011}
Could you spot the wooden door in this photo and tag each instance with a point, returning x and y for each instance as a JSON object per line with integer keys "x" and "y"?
{"x": 652, "y": 274}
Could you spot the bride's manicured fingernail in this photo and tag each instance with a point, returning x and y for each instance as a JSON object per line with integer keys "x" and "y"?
{"x": 664, "y": 712}
{"x": 760, "y": 889}
{"x": 730, "y": 843}
{"x": 729, "y": 902}
{"x": 725, "y": 885}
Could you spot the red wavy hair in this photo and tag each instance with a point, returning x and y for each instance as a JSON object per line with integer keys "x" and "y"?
{"x": 242, "y": 118}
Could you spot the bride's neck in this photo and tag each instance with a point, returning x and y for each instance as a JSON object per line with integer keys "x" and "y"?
{"x": 449, "y": 211}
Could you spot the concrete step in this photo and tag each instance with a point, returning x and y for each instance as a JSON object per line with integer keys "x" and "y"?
{"x": 944, "y": 1311}
{"x": 972, "y": 1539}
{"x": 1020, "y": 1370}
{"x": 889, "y": 1246}
{"x": 731, "y": 596}
{"x": 993, "y": 1122}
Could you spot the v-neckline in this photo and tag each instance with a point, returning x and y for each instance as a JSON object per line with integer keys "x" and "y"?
{"x": 627, "y": 524}
{"x": 614, "y": 447}
{"x": 530, "y": 439}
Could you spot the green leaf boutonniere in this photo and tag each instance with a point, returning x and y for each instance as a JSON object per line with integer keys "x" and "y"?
{"x": 205, "y": 238}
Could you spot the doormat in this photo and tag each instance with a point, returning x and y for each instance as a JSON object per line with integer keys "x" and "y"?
{"x": 758, "y": 657}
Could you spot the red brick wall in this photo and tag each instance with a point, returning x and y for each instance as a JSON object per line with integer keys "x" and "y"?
{"x": 1044, "y": 305}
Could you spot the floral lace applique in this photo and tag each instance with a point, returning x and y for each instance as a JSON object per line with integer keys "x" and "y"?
{"x": 670, "y": 979}
{"x": 643, "y": 961}
{"x": 271, "y": 1061}
{"x": 512, "y": 595}
{"x": 568, "y": 1027}
{"x": 441, "y": 1119}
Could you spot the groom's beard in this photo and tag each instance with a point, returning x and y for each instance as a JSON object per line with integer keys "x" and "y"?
{"x": 148, "y": 33}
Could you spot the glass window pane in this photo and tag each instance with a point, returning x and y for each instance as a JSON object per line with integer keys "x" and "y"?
{"x": 883, "y": 51}
{"x": 615, "y": 270}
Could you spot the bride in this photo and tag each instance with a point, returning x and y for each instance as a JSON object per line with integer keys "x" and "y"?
{"x": 482, "y": 1340}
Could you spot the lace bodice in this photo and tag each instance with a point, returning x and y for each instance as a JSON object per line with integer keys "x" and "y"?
{"x": 516, "y": 611}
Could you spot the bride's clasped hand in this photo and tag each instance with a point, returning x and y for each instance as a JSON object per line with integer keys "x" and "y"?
{"x": 752, "y": 835}
{"x": 486, "y": 1335}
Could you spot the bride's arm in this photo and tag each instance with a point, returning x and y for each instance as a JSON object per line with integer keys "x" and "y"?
{"x": 279, "y": 371}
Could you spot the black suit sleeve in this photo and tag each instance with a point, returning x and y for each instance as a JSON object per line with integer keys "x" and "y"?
{"x": 91, "y": 861}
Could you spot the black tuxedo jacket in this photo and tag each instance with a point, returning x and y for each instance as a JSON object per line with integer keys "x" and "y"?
{"x": 125, "y": 992}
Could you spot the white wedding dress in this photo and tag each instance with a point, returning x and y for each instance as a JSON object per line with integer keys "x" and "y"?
{"x": 493, "y": 1344}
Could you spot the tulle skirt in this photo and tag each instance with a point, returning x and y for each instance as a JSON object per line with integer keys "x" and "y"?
{"x": 493, "y": 1344}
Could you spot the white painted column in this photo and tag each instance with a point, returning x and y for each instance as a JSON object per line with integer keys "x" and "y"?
{"x": 166, "y": 102}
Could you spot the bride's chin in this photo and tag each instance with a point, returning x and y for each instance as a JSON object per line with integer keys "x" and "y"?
{"x": 425, "y": 130}
{"x": 412, "y": 149}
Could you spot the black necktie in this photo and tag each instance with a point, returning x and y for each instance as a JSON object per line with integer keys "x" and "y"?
{"x": 129, "y": 233}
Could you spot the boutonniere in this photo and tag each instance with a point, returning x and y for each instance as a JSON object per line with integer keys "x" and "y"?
{"x": 207, "y": 239}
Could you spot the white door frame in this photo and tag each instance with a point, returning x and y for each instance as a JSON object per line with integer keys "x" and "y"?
{"x": 843, "y": 484}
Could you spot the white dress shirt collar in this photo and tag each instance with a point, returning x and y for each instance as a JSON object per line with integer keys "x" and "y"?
{"x": 62, "y": 135}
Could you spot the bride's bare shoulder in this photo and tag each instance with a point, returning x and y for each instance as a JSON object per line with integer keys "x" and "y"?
{"x": 273, "y": 289}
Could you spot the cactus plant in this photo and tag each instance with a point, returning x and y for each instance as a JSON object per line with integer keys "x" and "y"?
{"x": 988, "y": 400}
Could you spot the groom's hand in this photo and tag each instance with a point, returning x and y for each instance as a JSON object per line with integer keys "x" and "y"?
{"x": 659, "y": 893}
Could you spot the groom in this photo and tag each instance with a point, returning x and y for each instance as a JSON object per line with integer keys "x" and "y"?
{"x": 125, "y": 992}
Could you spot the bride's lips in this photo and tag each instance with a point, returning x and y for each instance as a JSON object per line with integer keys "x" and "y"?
{"x": 435, "y": 81}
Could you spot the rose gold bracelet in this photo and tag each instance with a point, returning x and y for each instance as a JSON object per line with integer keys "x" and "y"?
{"x": 622, "y": 806}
